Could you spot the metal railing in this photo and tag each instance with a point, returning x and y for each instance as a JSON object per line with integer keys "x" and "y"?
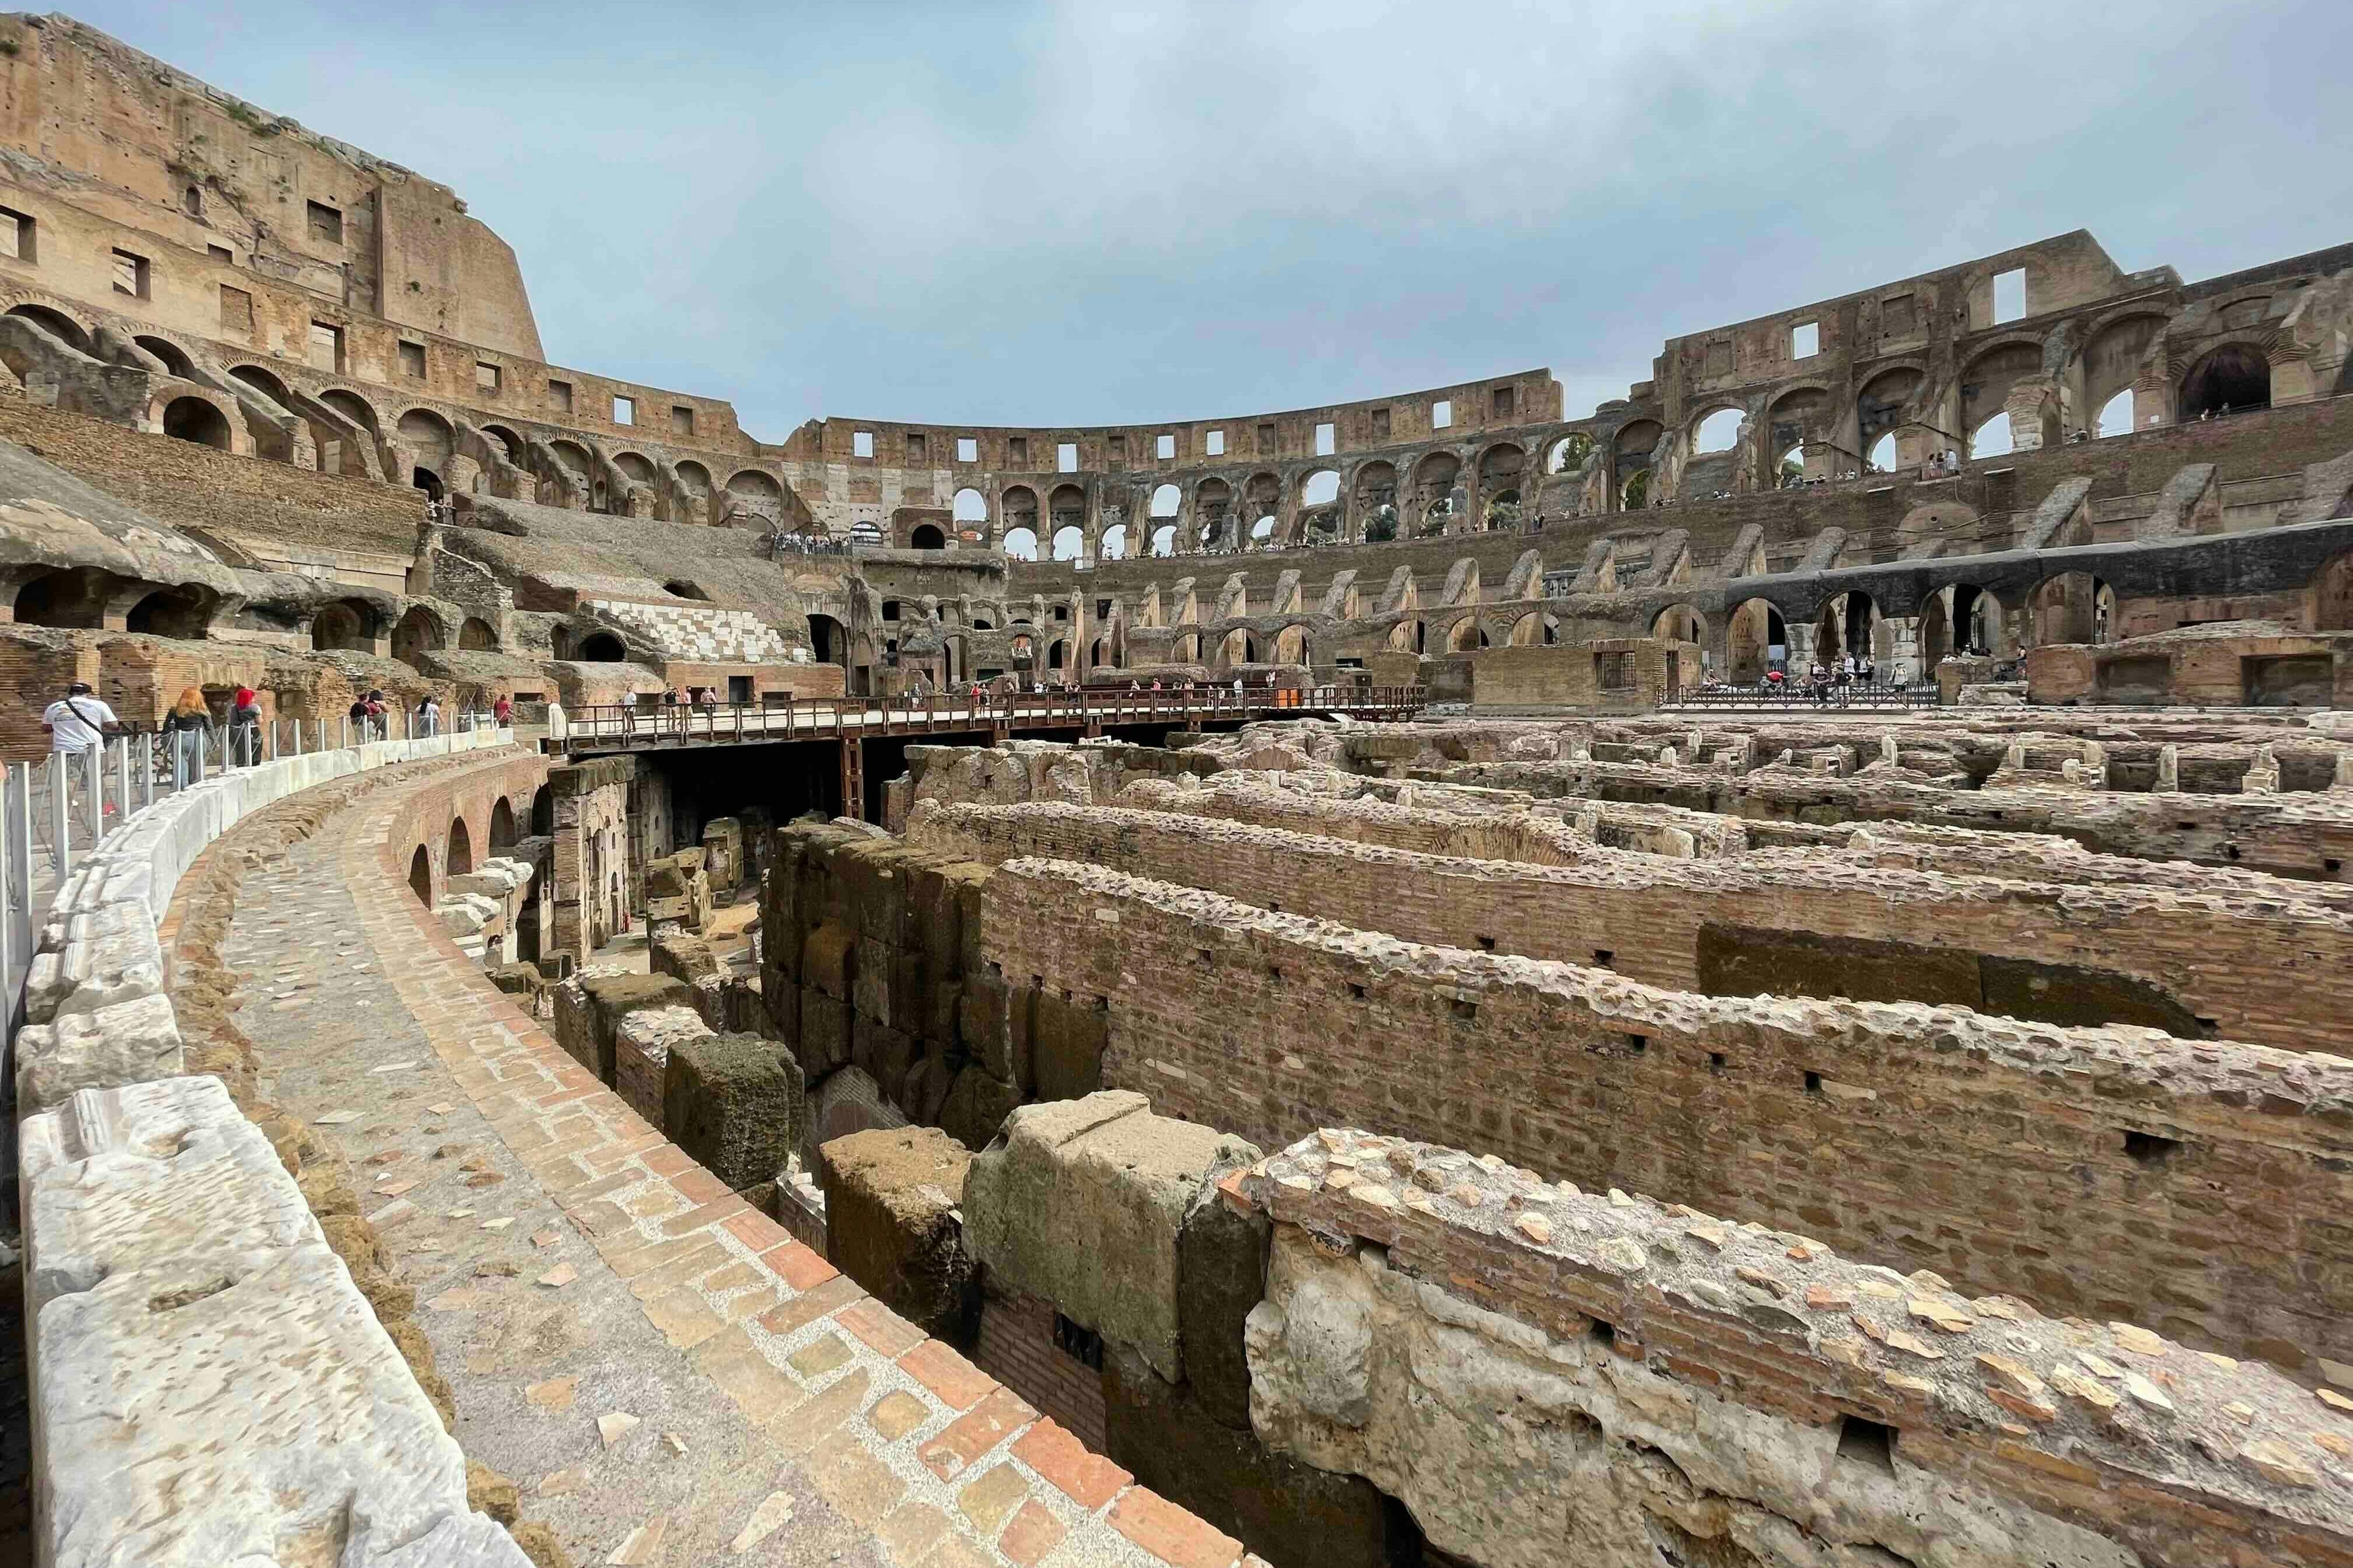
{"x": 1796, "y": 695}
{"x": 54, "y": 811}
{"x": 829, "y": 717}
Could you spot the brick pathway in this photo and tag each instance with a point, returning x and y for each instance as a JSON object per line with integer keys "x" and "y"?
{"x": 666, "y": 1376}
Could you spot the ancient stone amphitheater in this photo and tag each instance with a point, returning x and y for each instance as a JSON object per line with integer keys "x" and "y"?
{"x": 1325, "y": 987}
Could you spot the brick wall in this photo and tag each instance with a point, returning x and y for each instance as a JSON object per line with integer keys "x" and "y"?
{"x": 1017, "y": 1348}
{"x": 2261, "y": 968}
{"x": 2199, "y": 1188}
{"x": 1670, "y": 1346}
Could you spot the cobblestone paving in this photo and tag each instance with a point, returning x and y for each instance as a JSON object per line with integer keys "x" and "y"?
{"x": 666, "y": 1376}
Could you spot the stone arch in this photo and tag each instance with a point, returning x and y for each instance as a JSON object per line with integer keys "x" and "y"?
{"x": 1435, "y": 475}
{"x": 72, "y": 596}
{"x": 431, "y": 442}
{"x": 175, "y": 358}
{"x": 1066, "y": 507}
{"x": 694, "y": 489}
{"x": 1019, "y": 507}
{"x": 57, "y": 324}
{"x": 1989, "y": 379}
{"x": 502, "y": 826}
{"x": 475, "y": 635}
{"x": 756, "y": 492}
{"x": 1630, "y": 449}
{"x": 345, "y": 624}
{"x": 1261, "y": 511}
{"x": 1886, "y": 416}
{"x": 1213, "y": 507}
{"x": 418, "y": 633}
{"x": 1847, "y": 623}
{"x": 1318, "y": 507}
{"x": 458, "y": 860}
{"x": 197, "y": 419}
{"x": 827, "y": 643}
{"x": 351, "y": 406}
{"x": 2230, "y": 378}
{"x": 2112, "y": 359}
{"x": 185, "y": 611}
{"x": 420, "y": 876}
{"x": 927, "y": 536}
{"x": 1682, "y": 622}
{"x": 1113, "y": 544}
{"x": 1375, "y": 488}
{"x": 601, "y": 648}
{"x": 1715, "y": 428}
{"x": 1500, "y": 469}
{"x": 264, "y": 381}
{"x": 1022, "y": 543}
{"x": 543, "y": 811}
{"x": 1753, "y": 634}
{"x": 511, "y": 446}
{"x": 1923, "y": 525}
{"x": 2072, "y": 607}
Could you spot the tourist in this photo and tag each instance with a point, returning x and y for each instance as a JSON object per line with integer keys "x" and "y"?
{"x": 357, "y": 713}
{"x": 1237, "y": 688}
{"x": 245, "y": 725}
{"x": 1846, "y": 675}
{"x": 379, "y": 717}
{"x": 187, "y": 728}
{"x": 502, "y": 711}
{"x": 428, "y": 716}
{"x": 1818, "y": 679}
{"x": 1869, "y": 671}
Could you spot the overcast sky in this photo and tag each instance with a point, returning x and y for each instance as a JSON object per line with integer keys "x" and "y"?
{"x": 1103, "y": 212}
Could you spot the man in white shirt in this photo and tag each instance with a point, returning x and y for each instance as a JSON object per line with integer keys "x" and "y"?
{"x": 78, "y": 722}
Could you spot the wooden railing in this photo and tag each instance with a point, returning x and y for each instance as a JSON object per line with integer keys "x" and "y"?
{"x": 606, "y": 725}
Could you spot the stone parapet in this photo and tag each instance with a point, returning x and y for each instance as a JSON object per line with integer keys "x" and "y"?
{"x": 208, "y": 1384}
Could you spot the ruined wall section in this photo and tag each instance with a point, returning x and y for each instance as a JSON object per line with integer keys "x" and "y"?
{"x": 2192, "y": 1186}
{"x": 2262, "y": 968}
{"x": 1547, "y": 1376}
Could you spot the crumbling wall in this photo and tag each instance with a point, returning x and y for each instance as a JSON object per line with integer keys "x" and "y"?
{"x": 2257, "y": 967}
{"x": 1546, "y": 1376}
{"x": 1104, "y": 1216}
{"x": 2192, "y": 1185}
{"x": 868, "y": 962}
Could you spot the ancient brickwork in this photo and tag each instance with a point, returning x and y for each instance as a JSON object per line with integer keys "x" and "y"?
{"x": 1870, "y": 1126}
{"x": 2262, "y": 967}
{"x": 1540, "y": 1370}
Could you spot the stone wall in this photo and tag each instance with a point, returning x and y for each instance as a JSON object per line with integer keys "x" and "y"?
{"x": 2256, "y": 967}
{"x": 2188, "y": 1186}
{"x": 1546, "y": 1376}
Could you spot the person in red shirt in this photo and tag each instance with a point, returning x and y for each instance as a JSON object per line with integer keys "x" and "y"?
{"x": 502, "y": 711}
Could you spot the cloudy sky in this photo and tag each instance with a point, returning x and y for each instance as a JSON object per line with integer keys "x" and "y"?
{"x": 1106, "y": 211}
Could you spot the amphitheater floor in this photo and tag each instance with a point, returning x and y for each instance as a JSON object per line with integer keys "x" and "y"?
{"x": 571, "y": 1266}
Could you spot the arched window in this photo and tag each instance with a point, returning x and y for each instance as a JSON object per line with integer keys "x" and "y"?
{"x": 1719, "y": 432}
{"x": 2116, "y": 416}
{"x": 194, "y": 419}
{"x": 927, "y": 537}
{"x": 1069, "y": 544}
{"x": 503, "y": 828}
{"x": 1991, "y": 439}
{"x": 420, "y": 877}
{"x": 2232, "y": 379}
{"x": 1021, "y": 544}
{"x": 460, "y": 860}
{"x": 601, "y": 648}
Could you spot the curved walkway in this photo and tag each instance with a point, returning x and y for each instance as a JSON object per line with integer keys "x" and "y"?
{"x": 668, "y": 1377}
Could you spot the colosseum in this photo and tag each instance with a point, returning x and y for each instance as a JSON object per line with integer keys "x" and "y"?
{"x": 1750, "y": 978}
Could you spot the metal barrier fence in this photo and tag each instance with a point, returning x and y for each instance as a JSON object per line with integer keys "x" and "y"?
{"x": 1794, "y": 696}
{"x": 54, "y": 811}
